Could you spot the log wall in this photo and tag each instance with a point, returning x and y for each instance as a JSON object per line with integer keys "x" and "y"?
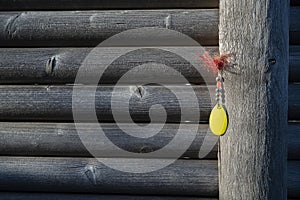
{"x": 40, "y": 150}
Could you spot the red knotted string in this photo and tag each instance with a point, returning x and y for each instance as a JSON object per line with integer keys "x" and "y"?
{"x": 216, "y": 62}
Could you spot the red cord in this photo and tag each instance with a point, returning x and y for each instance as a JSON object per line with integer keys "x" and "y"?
{"x": 216, "y": 62}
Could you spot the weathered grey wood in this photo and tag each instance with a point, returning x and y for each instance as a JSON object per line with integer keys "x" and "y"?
{"x": 294, "y": 179}
{"x": 103, "y": 4}
{"x": 294, "y": 104}
{"x": 77, "y": 28}
{"x": 253, "y": 151}
{"x": 294, "y": 70}
{"x": 55, "y": 102}
{"x": 70, "y": 28}
{"x": 66, "y": 196}
{"x": 295, "y": 25}
{"x": 89, "y": 28}
{"x": 31, "y": 65}
{"x": 184, "y": 177}
{"x": 61, "y": 139}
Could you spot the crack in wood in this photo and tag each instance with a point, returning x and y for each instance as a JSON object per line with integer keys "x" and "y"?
{"x": 90, "y": 173}
{"x": 50, "y": 65}
{"x": 140, "y": 91}
{"x": 9, "y": 28}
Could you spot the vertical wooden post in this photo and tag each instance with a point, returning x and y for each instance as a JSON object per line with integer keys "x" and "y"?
{"x": 252, "y": 157}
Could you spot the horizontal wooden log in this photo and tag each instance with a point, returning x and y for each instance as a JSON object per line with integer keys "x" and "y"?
{"x": 66, "y": 196}
{"x": 89, "y": 28}
{"x": 61, "y": 139}
{"x": 60, "y": 65}
{"x": 294, "y": 103}
{"x": 31, "y": 65}
{"x": 295, "y": 25}
{"x": 55, "y": 103}
{"x": 184, "y": 177}
{"x": 103, "y": 4}
{"x": 33, "y": 174}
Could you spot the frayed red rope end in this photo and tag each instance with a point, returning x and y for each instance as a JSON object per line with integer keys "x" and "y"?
{"x": 215, "y": 63}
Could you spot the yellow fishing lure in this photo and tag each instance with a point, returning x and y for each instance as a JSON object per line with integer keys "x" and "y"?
{"x": 218, "y": 120}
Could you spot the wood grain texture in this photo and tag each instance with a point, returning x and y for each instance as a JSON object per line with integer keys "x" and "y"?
{"x": 87, "y": 175}
{"x": 295, "y": 25}
{"x": 62, "y": 139}
{"x": 89, "y": 28}
{"x": 30, "y": 65}
{"x": 54, "y": 103}
{"x": 252, "y": 162}
{"x": 103, "y": 4}
{"x": 60, "y": 65}
{"x": 66, "y": 196}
